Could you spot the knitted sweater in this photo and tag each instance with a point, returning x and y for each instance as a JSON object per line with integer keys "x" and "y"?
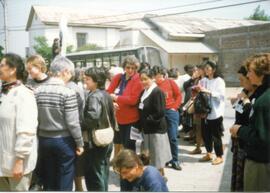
{"x": 18, "y": 118}
{"x": 58, "y": 111}
{"x": 172, "y": 93}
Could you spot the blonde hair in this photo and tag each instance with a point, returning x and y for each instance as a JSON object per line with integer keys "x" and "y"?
{"x": 260, "y": 63}
{"x": 37, "y": 61}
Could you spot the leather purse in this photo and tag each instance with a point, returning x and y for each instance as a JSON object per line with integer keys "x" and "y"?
{"x": 103, "y": 136}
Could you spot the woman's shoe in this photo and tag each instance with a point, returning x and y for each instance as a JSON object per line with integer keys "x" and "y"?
{"x": 217, "y": 161}
{"x": 206, "y": 158}
{"x": 176, "y": 166}
{"x": 195, "y": 151}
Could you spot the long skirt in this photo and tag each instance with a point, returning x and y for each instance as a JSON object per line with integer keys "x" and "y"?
{"x": 158, "y": 147}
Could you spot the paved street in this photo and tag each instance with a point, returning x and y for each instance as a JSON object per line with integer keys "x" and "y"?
{"x": 197, "y": 176}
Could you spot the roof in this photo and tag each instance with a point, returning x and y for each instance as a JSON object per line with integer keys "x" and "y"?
{"x": 179, "y": 47}
{"x": 51, "y": 15}
{"x": 178, "y": 25}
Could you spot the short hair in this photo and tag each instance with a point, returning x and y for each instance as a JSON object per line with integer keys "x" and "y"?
{"x": 261, "y": 63}
{"x": 159, "y": 70}
{"x": 37, "y": 61}
{"x": 61, "y": 63}
{"x": 148, "y": 72}
{"x": 173, "y": 73}
{"x": 98, "y": 75}
{"x": 16, "y": 61}
{"x": 188, "y": 68}
{"x": 200, "y": 66}
{"x": 131, "y": 60}
{"x": 127, "y": 158}
{"x": 144, "y": 65}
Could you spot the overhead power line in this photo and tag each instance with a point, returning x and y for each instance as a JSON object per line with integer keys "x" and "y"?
{"x": 22, "y": 28}
{"x": 131, "y": 13}
{"x": 185, "y": 12}
{"x": 153, "y": 10}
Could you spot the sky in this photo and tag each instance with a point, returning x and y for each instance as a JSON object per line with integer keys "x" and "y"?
{"x": 237, "y": 12}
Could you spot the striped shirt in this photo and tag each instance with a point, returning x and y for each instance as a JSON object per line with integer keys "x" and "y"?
{"x": 58, "y": 111}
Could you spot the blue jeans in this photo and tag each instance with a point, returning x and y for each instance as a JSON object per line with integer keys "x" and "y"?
{"x": 58, "y": 158}
{"x": 172, "y": 118}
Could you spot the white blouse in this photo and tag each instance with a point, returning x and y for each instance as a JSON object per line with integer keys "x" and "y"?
{"x": 18, "y": 130}
{"x": 216, "y": 86}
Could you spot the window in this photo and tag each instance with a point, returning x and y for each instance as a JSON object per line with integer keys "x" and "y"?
{"x": 81, "y": 39}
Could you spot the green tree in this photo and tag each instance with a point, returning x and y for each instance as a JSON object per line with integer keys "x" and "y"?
{"x": 42, "y": 47}
{"x": 89, "y": 47}
{"x": 1, "y": 52}
{"x": 259, "y": 14}
{"x": 70, "y": 48}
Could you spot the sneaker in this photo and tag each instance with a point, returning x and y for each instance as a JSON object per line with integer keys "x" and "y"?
{"x": 217, "y": 161}
{"x": 176, "y": 166}
{"x": 206, "y": 158}
{"x": 195, "y": 151}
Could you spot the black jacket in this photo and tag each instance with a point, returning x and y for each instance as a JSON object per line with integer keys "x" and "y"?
{"x": 152, "y": 116}
{"x": 97, "y": 103}
{"x": 256, "y": 134}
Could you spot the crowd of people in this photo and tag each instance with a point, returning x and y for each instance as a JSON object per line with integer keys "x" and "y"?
{"x": 48, "y": 118}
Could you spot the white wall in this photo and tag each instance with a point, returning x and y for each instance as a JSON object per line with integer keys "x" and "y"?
{"x": 17, "y": 15}
{"x": 131, "y": 38}
{"x": 113, "y": 37}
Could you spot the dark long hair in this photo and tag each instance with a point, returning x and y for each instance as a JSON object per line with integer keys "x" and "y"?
{"x": 215, "y": 67}
{"x": 15, "y": 61}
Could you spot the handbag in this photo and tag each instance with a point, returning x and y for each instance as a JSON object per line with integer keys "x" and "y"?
{"x": 104, "y": 136}
{"x": 189, "y": 106}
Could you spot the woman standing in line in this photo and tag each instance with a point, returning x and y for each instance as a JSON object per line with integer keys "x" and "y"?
{"x": 173, "y": 99}
{"x": 36, "y": 68}
{"x": 18, "y": 128}
{"x": 242, "y": 106}
{"x": 256, "y": 135}
{"x": 153, "y": 122}
{"x": 213, "y": 128}
{"x": 98, "y": 113}
{"x": 125, "y": 90}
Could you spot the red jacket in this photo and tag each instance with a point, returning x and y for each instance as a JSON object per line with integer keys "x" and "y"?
{"x": 128, "y": 111}
{"x": 172, "y": 94}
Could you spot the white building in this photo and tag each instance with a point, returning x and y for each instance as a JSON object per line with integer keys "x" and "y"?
{"x": 17, "y": 13}
{"x": 81, "y": 30}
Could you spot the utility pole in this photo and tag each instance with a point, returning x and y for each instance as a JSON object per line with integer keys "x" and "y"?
{"x": 4, "y": 5}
